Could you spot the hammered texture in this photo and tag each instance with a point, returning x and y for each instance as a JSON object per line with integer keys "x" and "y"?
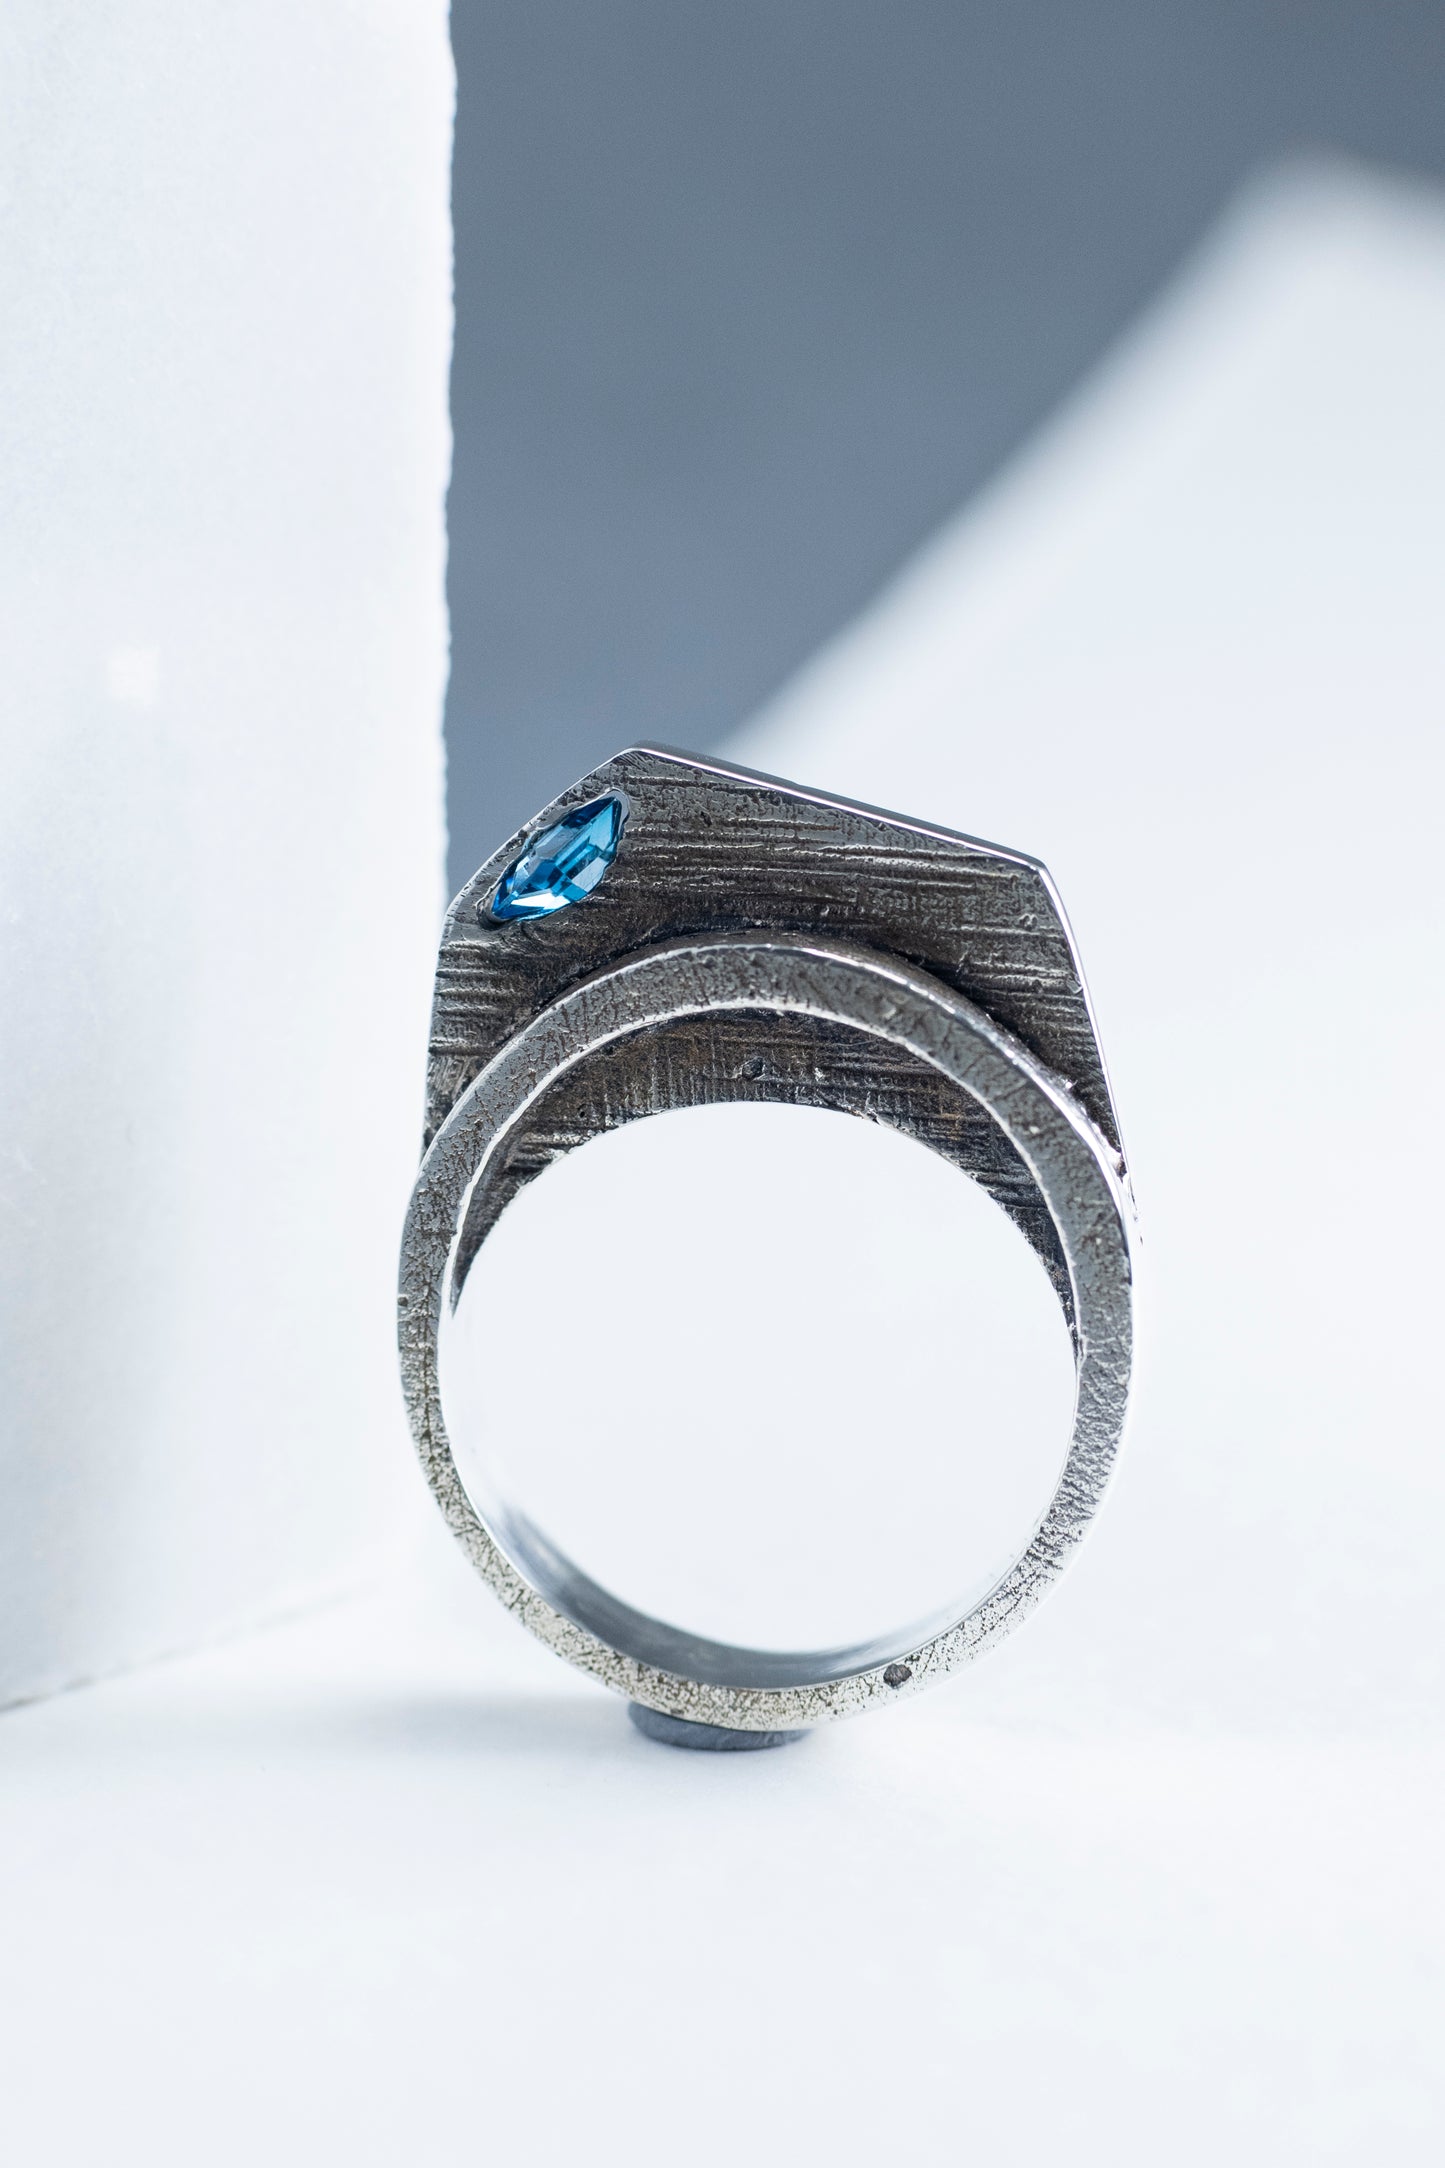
{"x": 715, "y": 848}
{"x": 787, "y": 1060}
{"x": 754, "y": 941}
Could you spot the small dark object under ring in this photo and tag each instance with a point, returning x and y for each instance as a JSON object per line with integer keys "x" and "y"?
{"x": 708, "y": 1738}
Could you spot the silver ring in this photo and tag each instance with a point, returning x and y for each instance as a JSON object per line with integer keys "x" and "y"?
{"x": 674, "y": 932}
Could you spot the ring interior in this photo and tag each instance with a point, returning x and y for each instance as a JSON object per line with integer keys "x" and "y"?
{"x": 765, "y": 1057}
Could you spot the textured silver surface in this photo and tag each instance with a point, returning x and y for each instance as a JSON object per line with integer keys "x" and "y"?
{"x": 757, "y": 941}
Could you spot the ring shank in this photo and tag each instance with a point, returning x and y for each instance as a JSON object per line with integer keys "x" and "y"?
{"x": 796, "y": 1021}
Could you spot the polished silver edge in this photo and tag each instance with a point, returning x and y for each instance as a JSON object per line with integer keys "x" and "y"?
{"x": 706, "y": 764}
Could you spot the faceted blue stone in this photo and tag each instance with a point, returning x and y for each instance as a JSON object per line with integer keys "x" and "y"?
{"x": 562, "y": 864}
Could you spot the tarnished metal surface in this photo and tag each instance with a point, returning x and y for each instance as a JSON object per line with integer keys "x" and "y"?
{"x": 722, "y": 850}
{"x": 756, "y": 941}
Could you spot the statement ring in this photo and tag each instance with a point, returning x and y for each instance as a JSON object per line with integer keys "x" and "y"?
{"x": 675, "y": 932}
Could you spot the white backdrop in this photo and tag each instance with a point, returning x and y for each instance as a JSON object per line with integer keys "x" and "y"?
{"x": 1159, "y": 1881}
{"x": 225, "y": 283}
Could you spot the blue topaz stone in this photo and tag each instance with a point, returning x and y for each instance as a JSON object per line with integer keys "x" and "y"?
{"x": 564, "y": 863}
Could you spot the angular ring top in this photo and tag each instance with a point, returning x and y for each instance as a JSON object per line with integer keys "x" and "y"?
{"x": 674, "y": 932}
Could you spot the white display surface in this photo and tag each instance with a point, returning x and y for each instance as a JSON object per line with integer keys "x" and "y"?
{"x": 1160, "y": 1880}
{"x": 225, "y": 283}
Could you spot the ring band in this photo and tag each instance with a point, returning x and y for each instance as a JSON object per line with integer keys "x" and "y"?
{"x": 676, "y": 932}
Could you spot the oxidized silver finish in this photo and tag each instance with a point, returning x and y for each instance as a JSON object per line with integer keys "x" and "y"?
{"x": 757, "y": 941}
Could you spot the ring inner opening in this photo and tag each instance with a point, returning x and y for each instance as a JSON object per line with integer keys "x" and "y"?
{"x": 795, "y": 1384}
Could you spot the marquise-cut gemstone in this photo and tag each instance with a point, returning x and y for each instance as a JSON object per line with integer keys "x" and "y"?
{"x": 562, "y": 864}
